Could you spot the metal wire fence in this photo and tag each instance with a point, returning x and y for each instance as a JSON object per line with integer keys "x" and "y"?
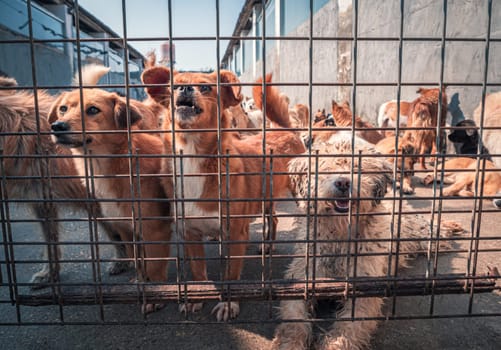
{"x": 457, "y": 254}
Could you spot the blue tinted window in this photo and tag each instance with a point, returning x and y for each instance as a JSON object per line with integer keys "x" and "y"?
{"x": 14, "y": 16}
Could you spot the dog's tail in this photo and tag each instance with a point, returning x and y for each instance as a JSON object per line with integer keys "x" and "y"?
{"x": 277, "y": 104}
{"x": 91, "y": 74}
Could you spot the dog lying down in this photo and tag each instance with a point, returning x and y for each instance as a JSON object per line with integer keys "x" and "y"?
{"x": 460, "y": 174}
{"x": 338, "y": 201}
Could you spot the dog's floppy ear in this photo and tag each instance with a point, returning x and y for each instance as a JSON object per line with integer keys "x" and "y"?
{"x": 158, "y": 75}
{"x": 230, "y": 95}
{"x": 52, "y": 115}
{"x": 120, "y": 113}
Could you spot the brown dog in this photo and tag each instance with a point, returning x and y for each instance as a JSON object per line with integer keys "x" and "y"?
{"x": 387, "y": 147}
{"x": 118, "y": 172}
{"x": 33, "y": 172}
{"x": 423, "y": 115}
{"x": 342, "y": 117}
{"x": 196, "y": 117}
{"x": 460, "y": 174}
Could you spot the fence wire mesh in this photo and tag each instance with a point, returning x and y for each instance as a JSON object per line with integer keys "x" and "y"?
{"x": 175, "y": 189}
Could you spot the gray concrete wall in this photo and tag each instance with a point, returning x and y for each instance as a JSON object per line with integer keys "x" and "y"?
{"x": 378, "y": 61}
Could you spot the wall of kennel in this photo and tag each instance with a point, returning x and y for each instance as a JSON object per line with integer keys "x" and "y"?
{"x": 344, "y": 221}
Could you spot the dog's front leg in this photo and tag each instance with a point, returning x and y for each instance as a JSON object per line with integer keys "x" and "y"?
{"x": 225, "y": 310}
{"x": 353, "y": 335}
{"x": 293, "y": 335}
{"x": 50, "y": 227}
{"x": 195, "y": 253}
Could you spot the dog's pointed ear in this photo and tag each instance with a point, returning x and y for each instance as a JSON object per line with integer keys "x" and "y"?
{"x": 120, "y": 113}
{"x": 230, "y": 95}
{"x": 52, "y": 115}
{"x": 158, "y": 75}
{"x": 345, "y": 104}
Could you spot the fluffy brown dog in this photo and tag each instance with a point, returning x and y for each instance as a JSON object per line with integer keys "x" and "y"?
{"x": 423, "y": 114}
{"x": 460, "y": 175}
{"x": 119, "y": 173}
{"x": 345, "y": 212}
{"x": 387, "y": 147}
{"x": 196, "y": 116}
{"x": 343, "y": 118}
{"x": 35, "y": 168}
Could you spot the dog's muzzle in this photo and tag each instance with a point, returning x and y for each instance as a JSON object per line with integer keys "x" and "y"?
{"x": 62, "y": 132}
{"x": 186, "y": 106}
{"x": 341, "y": 194}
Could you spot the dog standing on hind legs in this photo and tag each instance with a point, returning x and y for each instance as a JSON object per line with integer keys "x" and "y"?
{"x": 338, "y": 198}
{"x": 196, "y": 118}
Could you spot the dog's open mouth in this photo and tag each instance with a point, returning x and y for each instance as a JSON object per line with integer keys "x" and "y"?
{"x": 340, "y": 205}
{"x": 186, "y": 108}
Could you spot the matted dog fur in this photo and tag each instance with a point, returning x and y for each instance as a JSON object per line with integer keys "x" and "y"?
{"x": 336, "y": 199}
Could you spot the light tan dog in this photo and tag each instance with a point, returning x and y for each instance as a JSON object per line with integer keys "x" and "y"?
{"x": 196, "y": 117}
{"x": 460, "y": 174}
{"x": 124, "y": 168}
{"x": 387, "y": 116}
{"x": 491, "y": 134}
{"x": 423, "y": 115}
{"x": 341, "y": 204}
{"x": 405, "y": 151}
{"x": 29, "y": 157}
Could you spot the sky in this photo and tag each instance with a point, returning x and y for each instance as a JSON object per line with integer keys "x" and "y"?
{"x": 190, "y": 18}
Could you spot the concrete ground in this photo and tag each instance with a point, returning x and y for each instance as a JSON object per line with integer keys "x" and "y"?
{"x": 255, "y": 326}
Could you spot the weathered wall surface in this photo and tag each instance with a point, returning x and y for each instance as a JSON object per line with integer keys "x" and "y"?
{"x": 378, "y": 60}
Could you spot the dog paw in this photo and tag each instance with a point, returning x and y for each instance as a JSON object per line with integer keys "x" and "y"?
{"x": 291, "y": 336}
{"x": 407, "y": 190}
{"x": 225, "y": 311}
{"x": 118, "y": 267}
{"x": 186, "y": 308}
{"x": 149, "y": 308}
{"x": 42, "y": 279}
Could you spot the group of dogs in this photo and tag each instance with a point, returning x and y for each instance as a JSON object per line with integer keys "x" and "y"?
{"x": 194, "y": 139}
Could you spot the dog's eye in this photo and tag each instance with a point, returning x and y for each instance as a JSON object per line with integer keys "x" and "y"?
{"x": 175, "y": 87}
{"x": 63, "y": 109}
{"x": 92, "y": 110}
{"x": 205, "y": 88}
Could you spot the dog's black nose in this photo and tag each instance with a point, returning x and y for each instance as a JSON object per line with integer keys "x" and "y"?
{"x": 60, "y": 126}
{"x": 342, "y": 183}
